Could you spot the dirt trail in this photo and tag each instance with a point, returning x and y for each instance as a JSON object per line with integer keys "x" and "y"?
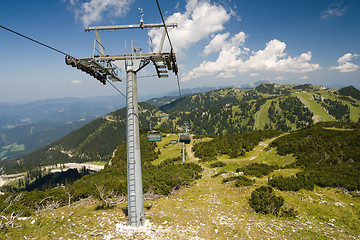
{"x": 209, "y": 209}
{"x": 254, "y": 153}
{"x": 190, "y": 153}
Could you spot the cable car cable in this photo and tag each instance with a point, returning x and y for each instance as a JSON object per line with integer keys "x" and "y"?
{"x": 178, "y": 82}
{"x": 167, "y": 33}
{"x": 52, "y": 48}
{"x": 162, "y": 18}
{"x": 116, "y": 88}
{"x": 31, "y": 39}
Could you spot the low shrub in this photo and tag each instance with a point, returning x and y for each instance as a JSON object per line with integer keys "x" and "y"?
{"x": 218, "y": 174}
{"x": 257, "y": 169}
{"x": 207, "y": 159}
{"x": 290, "y": 212}
{"x": 292, "y": 183}
{"x": 239, "y": 181}
{"x": 217, "y": 164}
{"x": 263, "y": 200}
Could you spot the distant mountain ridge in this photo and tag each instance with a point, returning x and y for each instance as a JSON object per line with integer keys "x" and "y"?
{"x": 27, "y": 127}
{"x": 268, "y": 106}
{"x": 58, "y": 110}
{"x": 218, "y": 112}
{"x": 96, "y": 140}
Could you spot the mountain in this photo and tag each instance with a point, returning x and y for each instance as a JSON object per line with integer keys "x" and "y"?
{"x": 20, "y": 140}
{"x": 218, "y": 112}
{"x": 27, "y": 127}
{"x": 350, "y": 91}
{"x": 267, "y": 106}
{"x": 171, "y": 96}
{"x": 96, "y": 141}
{"x": 58, "y": 110}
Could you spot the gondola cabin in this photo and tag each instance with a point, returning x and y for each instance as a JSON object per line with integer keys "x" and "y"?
{"x": 173, "y": 141}
{"x": 185, "y": 138}
{"x": 154, "y": 136}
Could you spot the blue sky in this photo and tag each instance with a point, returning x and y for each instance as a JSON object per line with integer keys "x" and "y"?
{"x": 217, "y": 43}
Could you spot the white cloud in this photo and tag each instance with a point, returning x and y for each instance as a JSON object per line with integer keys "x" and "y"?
{"x": 253, "y": 74}
{"x": 273, "y": 58}
{"x": 200, "y": 19}
{"x": 219, "y": 42}
{"x": 216, "y": 43}
{"x": 226, "y": 75}
{"x": 344, "y": 64}
{"x": 347, "y": 58}
{"x": 304, "y": 77}
{"x": 336, "y": 9}
{"x": 280, "y": 78}
{"x": 92, "y": 11}
{"x": 76, "y": 82}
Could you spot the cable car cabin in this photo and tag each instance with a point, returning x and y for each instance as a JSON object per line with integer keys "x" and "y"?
{"x": 185, "y": 138}
{"x": 154, "y": 136}
{"x": 173, "y": 141}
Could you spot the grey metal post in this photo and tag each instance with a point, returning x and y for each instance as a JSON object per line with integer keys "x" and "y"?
{"x": 136, "y": 213}
{"x": 183, "y": 152}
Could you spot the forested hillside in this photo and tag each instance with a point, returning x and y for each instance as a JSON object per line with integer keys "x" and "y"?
{"x": 268, "y": 106}
{"x": 328, "y": 152}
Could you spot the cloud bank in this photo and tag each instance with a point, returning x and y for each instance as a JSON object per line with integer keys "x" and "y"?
{"x": 344, "y": 64}
{"x": 200, "y": 19}
{"x": 233, "y": 57}
{"x": 203, "y": 20}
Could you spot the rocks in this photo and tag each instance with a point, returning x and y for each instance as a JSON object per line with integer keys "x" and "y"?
{"x": 339, "y": 204}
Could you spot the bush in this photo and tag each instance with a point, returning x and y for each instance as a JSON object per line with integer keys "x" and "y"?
{"x": 217, "y": 164}
{"x": 207, "y": 159}
{"x": 263, "y": 200}
{"x": 218, "y": 174}
{"x": 291, "y": 183}
{"x": 257, "y": 169}
{"x": 290, "y": 212}
{"x": 239, "y": 181}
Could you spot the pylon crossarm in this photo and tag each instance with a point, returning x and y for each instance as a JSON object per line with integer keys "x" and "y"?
{"x": 164, "y": 62}
{"x": 143, "y": 63}
{"x": 107, "y": 71}
{"x": 146, "y": 26}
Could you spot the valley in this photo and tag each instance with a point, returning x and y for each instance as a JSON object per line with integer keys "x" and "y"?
{"x": 6, "y": 179}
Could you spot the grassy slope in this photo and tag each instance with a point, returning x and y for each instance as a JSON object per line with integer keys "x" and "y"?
{"x": 320, "y": 115}
{"x": 354, "y": 112}
{"x": 261, "y": 117}
{"x": 168, "y": 150}
{"x": 209, "y": 210}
